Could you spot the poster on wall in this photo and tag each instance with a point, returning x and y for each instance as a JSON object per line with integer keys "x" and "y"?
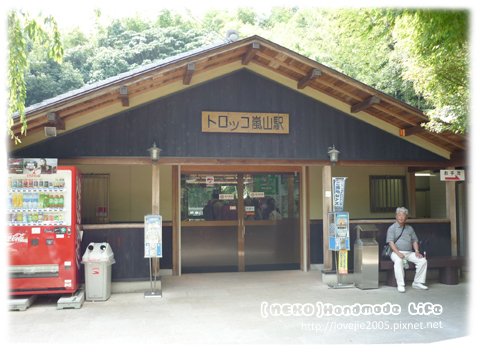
{"x": 153, "y": 236}
{"x": 32, "y": 166}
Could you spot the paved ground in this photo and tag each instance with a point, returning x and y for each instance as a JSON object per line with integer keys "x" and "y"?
{"x": 282, "y": 307}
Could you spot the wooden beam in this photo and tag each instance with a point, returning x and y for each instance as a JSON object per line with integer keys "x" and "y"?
{"x": 365, "y": 104}
{"x": 411, "y": 130}
{"x": 54, "y": 120}
{"x": 187, "y": 77}
{"x": 458, "y": 158}
{"x": 252, "y": 50}
{"x": 312, "y": 75}
{"x": 123, "y": 91}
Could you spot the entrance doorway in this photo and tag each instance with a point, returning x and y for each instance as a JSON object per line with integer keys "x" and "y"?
{"x": 240, "y": 221}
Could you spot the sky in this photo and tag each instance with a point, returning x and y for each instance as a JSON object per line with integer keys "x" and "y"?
{"x": 80, "y": 13}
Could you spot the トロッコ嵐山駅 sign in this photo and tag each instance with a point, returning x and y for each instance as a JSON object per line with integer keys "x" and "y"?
{"x": 242, "y": 122}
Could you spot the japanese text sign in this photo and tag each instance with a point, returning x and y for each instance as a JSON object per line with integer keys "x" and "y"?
{"x": 240, "y": 122}
{"x": 153, "y": 236}
{"x": 452, "y": 175}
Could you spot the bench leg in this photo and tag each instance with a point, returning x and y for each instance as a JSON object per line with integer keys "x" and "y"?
{"x": 449, "y": 276}
{"x": 391, "y": 281}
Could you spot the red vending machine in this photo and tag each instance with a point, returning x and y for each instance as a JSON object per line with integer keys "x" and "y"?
{"x": 44, "y": 227}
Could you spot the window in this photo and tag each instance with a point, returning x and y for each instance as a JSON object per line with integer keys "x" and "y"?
{"x": 387, "y": 193}
{"x": 95, "y": 190}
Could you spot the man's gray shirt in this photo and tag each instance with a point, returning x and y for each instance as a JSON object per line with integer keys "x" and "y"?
{"x": 404, "y": 243}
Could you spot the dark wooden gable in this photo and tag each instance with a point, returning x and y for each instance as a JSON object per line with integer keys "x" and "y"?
{"x": 174, "y": 123}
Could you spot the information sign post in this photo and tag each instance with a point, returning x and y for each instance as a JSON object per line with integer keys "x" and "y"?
{"x": 339, "y": 233}
{"x": 153, "y": 249}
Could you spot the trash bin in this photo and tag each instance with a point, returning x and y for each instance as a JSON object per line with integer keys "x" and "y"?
{"x": 98, "y": 260}
{"x": 366, "y": 257}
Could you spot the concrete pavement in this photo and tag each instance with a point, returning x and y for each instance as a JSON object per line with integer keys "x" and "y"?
{"x": 281, "y": 307}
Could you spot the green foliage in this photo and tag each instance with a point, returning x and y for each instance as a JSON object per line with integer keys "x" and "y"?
{"x": 417, "y": 56}
{"x": 432, "y": 47}
{"x": 24, "y": 33}
{"x": 47, "y": 78}
{"x": 121, "y": 46}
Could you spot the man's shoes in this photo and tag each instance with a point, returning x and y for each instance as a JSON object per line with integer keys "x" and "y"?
{"x": 419, "y": 286}
{"x": 401, "y": 288}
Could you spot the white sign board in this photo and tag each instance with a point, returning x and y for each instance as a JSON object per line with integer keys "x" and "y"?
{"x": 153, "y": 236}
{"x": 226, "y": 197}
{"x": 209, "y": 180}
{"x": 452, "y": 175}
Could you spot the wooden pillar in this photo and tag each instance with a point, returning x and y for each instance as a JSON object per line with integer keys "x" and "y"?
{"x": 176, "y": 220}
{"x": 304, "y": 221}
{"x": 241, "y": 225}
{"x": 452, "y": 214}
{"x": 327, "y": 207}
{"x": 155, "y": 207}
{"x": 412, "y": 195}
{"x": 155, "y": 189}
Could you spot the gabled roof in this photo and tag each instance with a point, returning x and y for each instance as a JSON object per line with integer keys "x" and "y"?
{"x": 99, "y": 100}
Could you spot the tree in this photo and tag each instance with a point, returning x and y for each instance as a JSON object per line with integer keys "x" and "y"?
{"x": 432, "y": 47}
{"x": 47, "y": 78}
{"x": 25, "y": 33}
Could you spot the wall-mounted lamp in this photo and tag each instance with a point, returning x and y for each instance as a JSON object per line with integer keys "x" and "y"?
{"x": 333, "y": 154}
{"x": 154, "y": 152}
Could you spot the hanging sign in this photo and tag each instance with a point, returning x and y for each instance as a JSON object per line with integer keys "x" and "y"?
{"x": 243, "y": 122}
{"x": 153, "y": 236}
{"x": 452, "y": 175}
{"x": 338, "y": 189}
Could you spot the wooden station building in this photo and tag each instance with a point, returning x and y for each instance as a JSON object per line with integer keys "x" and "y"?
{"x": 245, "y": 127}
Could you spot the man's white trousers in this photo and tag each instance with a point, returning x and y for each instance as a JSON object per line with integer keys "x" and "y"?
{"x": 420, "y": 267}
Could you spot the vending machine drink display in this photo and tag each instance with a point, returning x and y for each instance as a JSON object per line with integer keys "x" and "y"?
{"x": 44, "y": 227}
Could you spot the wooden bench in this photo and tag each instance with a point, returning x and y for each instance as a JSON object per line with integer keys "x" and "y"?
{"x": 449, "y": 267}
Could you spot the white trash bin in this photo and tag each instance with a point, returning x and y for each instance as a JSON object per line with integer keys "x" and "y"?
{"x": 98, "y": 260}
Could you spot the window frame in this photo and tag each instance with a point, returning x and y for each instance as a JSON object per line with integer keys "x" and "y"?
{"x": 381, "y": 198}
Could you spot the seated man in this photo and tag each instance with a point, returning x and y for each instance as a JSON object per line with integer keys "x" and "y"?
{"x": 404, "y": 244}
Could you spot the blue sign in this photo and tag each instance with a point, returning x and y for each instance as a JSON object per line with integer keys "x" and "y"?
{"x": 153, "y": 236}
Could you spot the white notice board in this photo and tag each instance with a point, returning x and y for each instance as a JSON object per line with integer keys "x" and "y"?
{"x": 153, "y": 236}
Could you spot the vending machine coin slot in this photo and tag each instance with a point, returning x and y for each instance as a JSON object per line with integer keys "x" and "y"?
{"x": 49, "y": 242}
{"x": 34, "y": 242}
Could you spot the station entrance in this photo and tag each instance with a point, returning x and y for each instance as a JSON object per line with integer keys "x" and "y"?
{"x": 240, "y": 221}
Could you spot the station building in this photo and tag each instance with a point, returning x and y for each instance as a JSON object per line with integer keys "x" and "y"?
{"x": 245, "y": 129}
